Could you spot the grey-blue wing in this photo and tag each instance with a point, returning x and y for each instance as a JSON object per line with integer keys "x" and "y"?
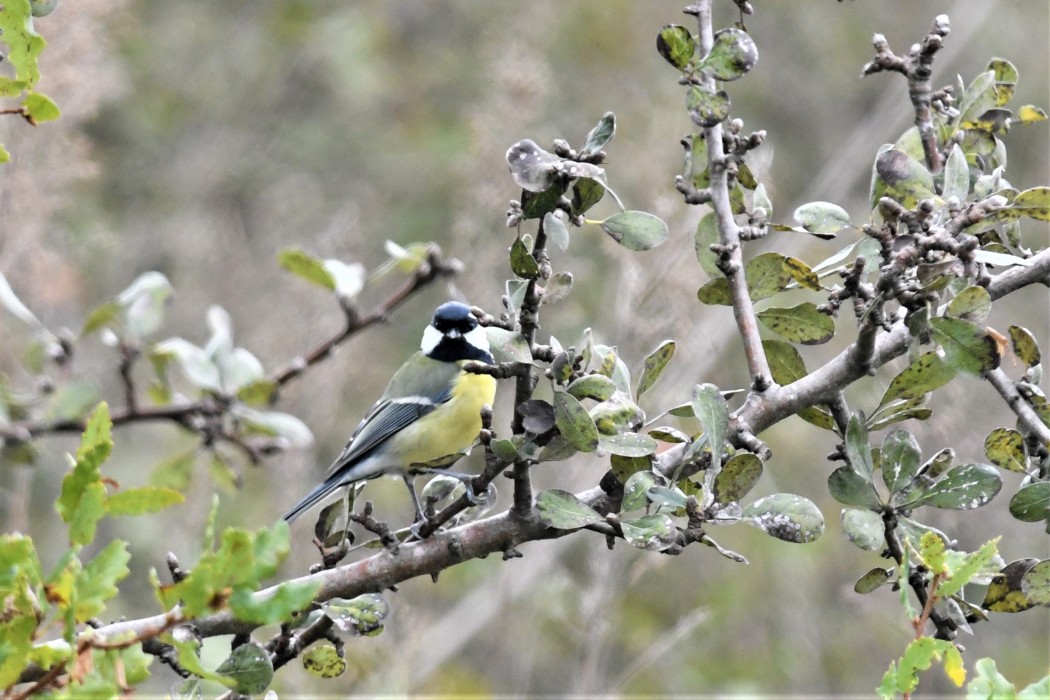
{"x": 386, "y": 419}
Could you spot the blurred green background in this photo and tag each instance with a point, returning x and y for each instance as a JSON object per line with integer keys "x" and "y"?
{"x": 199, "y": 138}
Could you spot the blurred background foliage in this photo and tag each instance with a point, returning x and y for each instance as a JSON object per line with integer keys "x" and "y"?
{"x": 199, "y": 138}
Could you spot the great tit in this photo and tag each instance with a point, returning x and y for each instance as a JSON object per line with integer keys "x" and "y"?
{"x": 428, "y": 416}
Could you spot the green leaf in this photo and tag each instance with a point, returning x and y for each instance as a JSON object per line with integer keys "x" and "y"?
{"x": 1033, "y": 203}
{"x": 1032, "y": 502}
{"x": 617, "y": 414}
{"x": 287, "y": 599}
{"x": 738, "y": 476}
{"x": 563, "y": 511}
{"x": 971, "y": 304}
{"x": 72, "y": 401}
{"x": 533, "y": 169}
{"x": 250, "y": 667}
{"x": 900, "y": 177}
{"x": 858, "y": 449}
{"x": 1025, "y": 346}
{"x": 522, "y": 263}
{"x": 964, "y": 487}
{"x": 654, "y": 533}
{"x": 864, "y": 528}
{"x": 508, "y": 346}
{"x": 82, "y": 501}
{"x": 557, "y": 288}
{"x": 1005, "y": 80}
{"x": 802, "y": 274}
{"x": 536, "y": 205}
{"x": 766, "y": 275}
{"x": 1005, "y": 592}
{"x": 919, "y": 656}
{"x": 175, "y": 473}
{"x": 635, "y": 230}
{"x": 799, "y": 324}
{"x": 956, "y": 175}
{"x": 40, "y": 107}
{"x": 592, "y": 386}
{"x": 990, "y": 684}
{"x": 624, "y": 467}
{"x": 600, "y": 135}
{"x": 707, "y": 106}
{"x": 971, "y": 565}
{"x": 785, "y": 362}
{"x": 147, "y": 499}
{"x": 324, "y": 661}
{"x": 873, "y": 580}
{"x": 822, "y": 217}
{"x": 97, "y": 582}
{"x": 710, "y": 408}
{"x": 1030, "y": 114}
{"x": 556, "y": 230}
{"x": 302, "y": 264}
{"x": 1005, "y": 449}
{"x": 967, "y": 346}
{"x": 926, "y": 374}
{"x": 636, "y": 490}
{"x": 733, "y": 54}
{"x": 706, "y": 236}
{"x": 715, "y": 292}
{"x": 586, "y": 192}
{"x": 654, "y": 365}
{"x": 23, "y": 44}
{"x": 899, "y": 459}
{"x": 980, "y": 96}
{"x": 363, "y": 615}
{"x": 850, "y": 488}
{"x": 786, "y": 516}
{"x": 1035, "y": 584}
{"x": 676, "y": 45}
{"x": 628, "y": 444}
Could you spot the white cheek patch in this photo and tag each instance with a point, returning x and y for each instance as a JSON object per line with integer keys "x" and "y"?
{"x": 431, "y": 337}
{"x": 477, "y": 338}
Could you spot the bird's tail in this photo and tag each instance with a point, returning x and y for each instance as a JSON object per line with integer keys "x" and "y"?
{"x": 311, "y": 499}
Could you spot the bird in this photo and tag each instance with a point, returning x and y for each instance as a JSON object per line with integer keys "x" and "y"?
{"x": 428, "y": 416}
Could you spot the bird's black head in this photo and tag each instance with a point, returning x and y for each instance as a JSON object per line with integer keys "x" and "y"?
{"x": 454, "y": 334}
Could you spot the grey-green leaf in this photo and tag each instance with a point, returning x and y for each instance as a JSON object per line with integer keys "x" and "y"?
{"x": 786, "y": 516}
{"x": 956, "y": 175}
{"x": 971, "y": 304}
{"x": 556, "y": 230}
{"x": 654, "y": 365}
{"x": 592, "y": 386}
{"x": 557, "y": 288}
{"x": 967, "y": 346}
{"x": 508, "y": 346}
{"x": 706, "y": 236}
{"x": 766, "y": 275}
{"x": 927, "y": 373}
{"x": 738, "y": 476}
{"x": 574, "y": 423}
{"x": 1005, "y": 449}
{"x": 627, "y": 444}
{"x": 707, "y": 106}
{"x": 822, "y": 217}
{"x": 899, "y": 459}
{"x": 533, "y": 168}
{"x": 1025, "y": 346}
{"x": 873, "y": 580}
{"x": 1032, "y": 503}
{"x": 250, "y": 667}
{"x": 710, "y": 408}
{"x": 600, "y": 135}
{"x": 858, "y": 449}
{"x": 733, "y": 54}
{"x": 676, "y": 45}
{"x": 636, "y": 230}
{"x": 864, "y": 528}
{"x": 799, "y": 324}
{"x": 563, "y": 511}
{"x": 654, "y": 533}
{"x": 850, "y": 488}
{"x": 964, "y": 487}
{"x": 636, "y": 489}
{"x": 522, "y": 263}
